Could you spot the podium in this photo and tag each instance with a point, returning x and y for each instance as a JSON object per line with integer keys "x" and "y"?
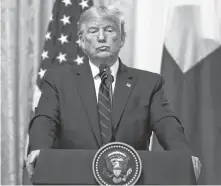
{"x": 74, "y": 167}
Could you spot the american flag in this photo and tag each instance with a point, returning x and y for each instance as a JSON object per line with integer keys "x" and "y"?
{"x": 61, "y": 46}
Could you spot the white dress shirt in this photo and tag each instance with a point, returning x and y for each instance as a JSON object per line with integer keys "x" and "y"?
{"x": 97, "y": 80}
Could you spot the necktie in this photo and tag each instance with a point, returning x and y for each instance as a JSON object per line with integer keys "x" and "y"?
{"x": 104, "y": 107}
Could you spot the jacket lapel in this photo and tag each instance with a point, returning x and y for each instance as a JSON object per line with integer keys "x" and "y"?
{"x": 125, "y": 82}
{"x": 87, "y": 93}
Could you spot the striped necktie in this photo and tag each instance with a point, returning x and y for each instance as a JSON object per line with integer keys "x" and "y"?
{"x": 104, "y": 107}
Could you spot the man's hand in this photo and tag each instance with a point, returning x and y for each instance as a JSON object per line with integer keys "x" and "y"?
{"x": 31, "y": 160}
{"x": 197, "y": 166}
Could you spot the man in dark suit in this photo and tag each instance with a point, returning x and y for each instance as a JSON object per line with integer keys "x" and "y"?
{"x": 68, "y": 115}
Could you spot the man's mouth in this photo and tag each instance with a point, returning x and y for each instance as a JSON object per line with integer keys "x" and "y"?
{"x": 103, "y": 48}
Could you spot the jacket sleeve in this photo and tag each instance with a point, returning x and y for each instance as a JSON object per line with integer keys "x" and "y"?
{"x": 165, "y": 124}
{"x": 44, "y": 127}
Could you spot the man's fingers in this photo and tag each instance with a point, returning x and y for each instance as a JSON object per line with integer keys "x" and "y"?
{"x": 33, "y": 156}
{"x": 31, "y": 160}
{"x": 30, "y": 169}
{"x": 197, "y": 166}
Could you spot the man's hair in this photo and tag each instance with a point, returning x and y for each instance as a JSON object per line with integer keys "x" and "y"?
{"x": 102, "y": 11}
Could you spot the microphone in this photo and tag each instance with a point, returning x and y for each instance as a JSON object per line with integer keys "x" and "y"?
{"x": 106, "y": 68}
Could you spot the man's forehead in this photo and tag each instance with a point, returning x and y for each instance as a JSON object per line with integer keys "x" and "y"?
{"x": 102, "y": 21}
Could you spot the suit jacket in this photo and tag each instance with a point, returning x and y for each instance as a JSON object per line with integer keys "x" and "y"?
{"x": 67, "y": 116}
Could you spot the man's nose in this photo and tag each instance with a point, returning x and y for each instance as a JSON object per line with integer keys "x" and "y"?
{"x": 101, "y": 37}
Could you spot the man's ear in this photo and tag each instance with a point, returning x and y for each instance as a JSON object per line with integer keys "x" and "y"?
{"x": 81, "y": 42}
{"x": 122, "y": 44}
{"x": 122, "y": 40}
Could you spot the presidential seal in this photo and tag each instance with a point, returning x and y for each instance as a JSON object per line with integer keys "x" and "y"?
{"x": 117, "y": 164}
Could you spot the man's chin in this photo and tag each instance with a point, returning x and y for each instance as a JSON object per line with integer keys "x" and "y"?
{"x": 103, "y": 55}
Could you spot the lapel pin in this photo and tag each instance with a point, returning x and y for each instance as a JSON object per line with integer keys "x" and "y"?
{"x": 128, "y": 85}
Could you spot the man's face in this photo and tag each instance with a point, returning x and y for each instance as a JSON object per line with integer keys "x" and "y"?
{"x": 101, "y": 38}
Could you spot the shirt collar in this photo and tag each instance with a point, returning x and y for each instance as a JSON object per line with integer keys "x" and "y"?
{"x": 95, "y": 70}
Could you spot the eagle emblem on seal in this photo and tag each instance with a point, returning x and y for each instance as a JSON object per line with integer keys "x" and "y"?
{"x": 117, "y": 164}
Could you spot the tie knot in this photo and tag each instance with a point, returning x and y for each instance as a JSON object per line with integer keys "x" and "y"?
{"x": 104, "y": 76}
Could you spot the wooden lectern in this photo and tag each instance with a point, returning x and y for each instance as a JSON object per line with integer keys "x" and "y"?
{"x": 74, "y": 167}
